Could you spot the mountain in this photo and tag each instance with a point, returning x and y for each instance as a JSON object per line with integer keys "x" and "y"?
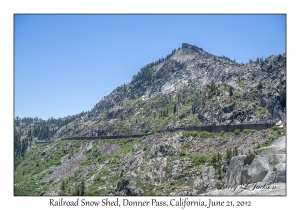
{"x": 187, "y": 88}
{"x": 190, "y": 87}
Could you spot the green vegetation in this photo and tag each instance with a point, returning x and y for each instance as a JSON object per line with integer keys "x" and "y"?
{"x": 155, "y": 114}
{"x": 202, "y": 134}
{"x": 190, "y": 133}
{"x": 35, "y": 166}
{"x": 249, "y": 158}
{"x": 222, "y": 133}
{"x": 182, "y": 153}
{"x": 261, "y": 111}
{"x": 248, "y": 131}
{"x": 275, "y": 135}
{"x": 99, "y": 182}
{"x": 199, "y": 158}
{"x": 231, "y": 152}
{"x": 174, "y": 183}
{"x": 240, "y": 83}
{"x": 216, "y": 158}
{"x": 44, "y": 129}
{"x": 237, "y": 132}
{"x": 212, "y": 88}
{"x": 206, "y": 134}
{"x": 35, "y": 163}
{"x": 128, "y": 102}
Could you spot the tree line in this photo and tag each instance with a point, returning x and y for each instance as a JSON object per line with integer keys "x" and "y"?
{"x": 42, "y": 129}
{"x": 28, "y": 128}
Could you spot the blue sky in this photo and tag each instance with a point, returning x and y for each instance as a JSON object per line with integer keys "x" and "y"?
{"x": 65, "y": 64}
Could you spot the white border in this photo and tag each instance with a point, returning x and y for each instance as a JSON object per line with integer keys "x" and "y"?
{"x": 9, "y": 8}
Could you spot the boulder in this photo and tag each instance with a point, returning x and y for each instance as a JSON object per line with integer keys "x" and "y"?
{"x": 265, "y": 175}
{"x": 256, "y": 171}
{"x": 233, "y": 175}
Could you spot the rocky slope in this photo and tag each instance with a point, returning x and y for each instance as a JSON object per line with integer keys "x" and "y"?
{"x": 265, "y": 175}
{"x": 179, "y": 163}
{"x": 189, "y": 87}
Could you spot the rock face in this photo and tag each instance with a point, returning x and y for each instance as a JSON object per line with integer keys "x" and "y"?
{"x": 266, "y": 175}
{"x": 234, "y": 174}
{"x": 128, "y": 188}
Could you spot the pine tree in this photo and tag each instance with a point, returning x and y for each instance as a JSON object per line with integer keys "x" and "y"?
{"x": 228, "y": 154}
{"x": 17, "y": 144}
{"x": 82, "y": 187}
{"x": 174, "y": 109}
{"x": 24, "y": 146}
{"x": 235, "y": 151}
{"x": 214, "y": 158}
{"x": 63, "y": 186}
{"x": 220, "y": 173}
{"x": 219, "y": 158}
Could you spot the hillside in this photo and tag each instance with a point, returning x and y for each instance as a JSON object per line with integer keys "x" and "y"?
{"x": 179, "y": 163}
{"x": 187, "y": 88}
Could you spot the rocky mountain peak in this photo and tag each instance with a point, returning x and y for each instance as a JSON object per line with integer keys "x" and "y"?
{"x": 189, "y": 46}
{"x": 190, "y": 87}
